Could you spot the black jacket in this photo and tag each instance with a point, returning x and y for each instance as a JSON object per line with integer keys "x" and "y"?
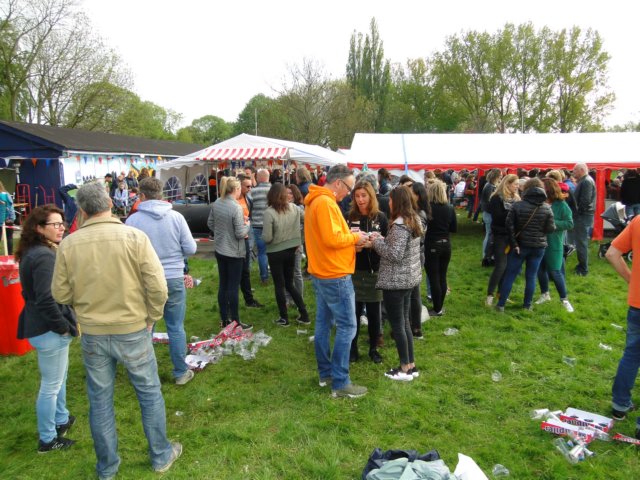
{"x": 498, "y": 209}
{"x": 630, "y": 191}
{"x": 530, "y": 219}
{"x": 368, "y": 259}
{"x": 41, "y": 313}
{"x": 485, "y": 195}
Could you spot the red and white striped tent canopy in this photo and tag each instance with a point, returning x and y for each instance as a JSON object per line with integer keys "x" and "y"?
{"x": 243, "y": 150}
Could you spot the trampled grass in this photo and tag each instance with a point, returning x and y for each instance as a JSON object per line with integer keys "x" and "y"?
{"x": 268, "y": 419}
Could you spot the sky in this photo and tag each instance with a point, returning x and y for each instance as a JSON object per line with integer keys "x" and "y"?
{"x": 201, "y": 57}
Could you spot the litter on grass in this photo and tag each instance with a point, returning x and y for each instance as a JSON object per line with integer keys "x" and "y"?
{"x": 571, "y": 361}
{"x": 451, "y": 331}
{"x": 603, "y": 346}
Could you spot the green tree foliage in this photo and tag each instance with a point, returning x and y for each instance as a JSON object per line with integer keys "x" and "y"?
{"x": 418, "y": 104}
{"x": 207, "y": 130}
{"x": 519, "y": 80}
{"x": 577, "y": 64}
{"x": 263, "y": 116}
{"x": 112, "y": 109}
{"x": 368, "y": 72}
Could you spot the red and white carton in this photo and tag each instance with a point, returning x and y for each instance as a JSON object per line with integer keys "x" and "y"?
{"x": 623, "y": 438}
{"x": 558, "y": 427}
{"x": 160, "y": 337}
{"x": 581, "y": 418}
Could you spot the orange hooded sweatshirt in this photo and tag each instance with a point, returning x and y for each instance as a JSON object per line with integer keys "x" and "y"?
{"x": 330, "y": 244}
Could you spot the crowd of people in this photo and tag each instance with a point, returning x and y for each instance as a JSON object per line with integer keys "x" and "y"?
{"x": 366, "y": 244}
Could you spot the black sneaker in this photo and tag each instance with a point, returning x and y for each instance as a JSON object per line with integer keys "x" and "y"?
{"x": 414, "y": 372}
{"x": 61, "y": 443}
{"x": 620, "y": 415}
{"x": 254, "y": 304}
{"x": 282, "y": 322}
{"x": 62, "y": 430}
{"x": 417, "y": 334}
{"x": 354, "y": 356}
{"x": 433, "y": 313}
{"x": 303, "y": 320}
{"x": 375, "y": 356}
{"x": 398, "y": 374}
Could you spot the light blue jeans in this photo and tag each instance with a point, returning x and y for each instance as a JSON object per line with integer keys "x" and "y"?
{"x": 53, "y": 362}
{"x": 174, "y": 312}
{"x": 101, "y": 355}
{"x": 629, "y": 365}
{"x": 335, "y": 306}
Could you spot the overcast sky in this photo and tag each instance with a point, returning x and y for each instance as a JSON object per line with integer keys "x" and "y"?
{"x": 201, "y": 57}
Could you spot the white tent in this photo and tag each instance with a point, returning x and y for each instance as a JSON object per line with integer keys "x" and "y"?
{"x": 425, "y": 151}
{"x": 245, "y": 150}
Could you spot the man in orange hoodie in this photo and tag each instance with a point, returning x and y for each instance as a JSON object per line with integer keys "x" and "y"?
{"x": 332, "y": 257}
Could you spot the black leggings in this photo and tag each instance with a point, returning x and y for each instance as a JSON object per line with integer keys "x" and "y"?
{"x": 374, "y": 316}
{"x": 398, "y": 304}
{"x": 282, "y": 264}
{"x": 437, "y": 258}
{"x": 500, "y": 243}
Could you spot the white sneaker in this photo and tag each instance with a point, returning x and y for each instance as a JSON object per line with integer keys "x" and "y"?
{"x": 398, "y": 374}
{"x": 186, "y": 378}
{"x": 489, "y": 301}
{"x": 544, "y": 298}
{"x": 568, "y": 307}
{"x": 364, "y": 321}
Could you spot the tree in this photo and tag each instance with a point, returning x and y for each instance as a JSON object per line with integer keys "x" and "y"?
{"x": 520, "y": 80}
{"x": 66, "y": 64}
{"x": 348, "y": 114}
{"x": 112, "y": 109}
{"x": 368, "y": 73}
{"x": 25, "y": 26}
{"x": 578, "y": 66}
{"x": 305, "y": 99}
{"x": 207, "y": 130}
{"x": 262, "y": 116}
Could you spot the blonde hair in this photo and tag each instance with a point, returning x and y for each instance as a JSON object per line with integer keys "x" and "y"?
{"x": 228, "y": 185}
{"x": 557, "y": 175}
{"x": 503, "y": 192}
{"x": 437, "y": 192}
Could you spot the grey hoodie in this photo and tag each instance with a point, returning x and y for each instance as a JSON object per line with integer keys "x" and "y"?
{"x": 168, "y": 232}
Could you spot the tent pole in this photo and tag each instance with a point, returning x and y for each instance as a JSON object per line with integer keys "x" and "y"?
{"x": 598, "y": 225}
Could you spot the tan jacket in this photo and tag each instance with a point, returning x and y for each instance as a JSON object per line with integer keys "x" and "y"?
{"x": 111, "y": 275}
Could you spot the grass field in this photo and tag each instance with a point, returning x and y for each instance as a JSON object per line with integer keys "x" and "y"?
{"x": 268, "y": 419}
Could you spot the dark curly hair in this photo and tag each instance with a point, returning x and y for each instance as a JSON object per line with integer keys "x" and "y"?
{"x": 29, "y": 236}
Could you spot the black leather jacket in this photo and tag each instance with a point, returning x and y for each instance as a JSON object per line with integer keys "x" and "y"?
{"x": 530, "y": 219}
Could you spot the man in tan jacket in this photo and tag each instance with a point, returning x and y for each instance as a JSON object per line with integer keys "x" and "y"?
{"x": 113, "y": 278}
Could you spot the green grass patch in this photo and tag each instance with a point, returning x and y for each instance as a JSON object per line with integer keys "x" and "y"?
{"x": 268, "y": 419}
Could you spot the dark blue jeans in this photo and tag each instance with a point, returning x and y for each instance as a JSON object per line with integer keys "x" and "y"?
{"x": 230, "y": 272}
{"x": 263, "y": 261}
{"x": 629, "y": 364}
{"x": 532, "y": 257}
{"x": 557, "y": 276}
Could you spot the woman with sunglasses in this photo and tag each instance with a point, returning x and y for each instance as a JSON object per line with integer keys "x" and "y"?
{"x": 364, "y": 216}
{"x": 48, "y": 326}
